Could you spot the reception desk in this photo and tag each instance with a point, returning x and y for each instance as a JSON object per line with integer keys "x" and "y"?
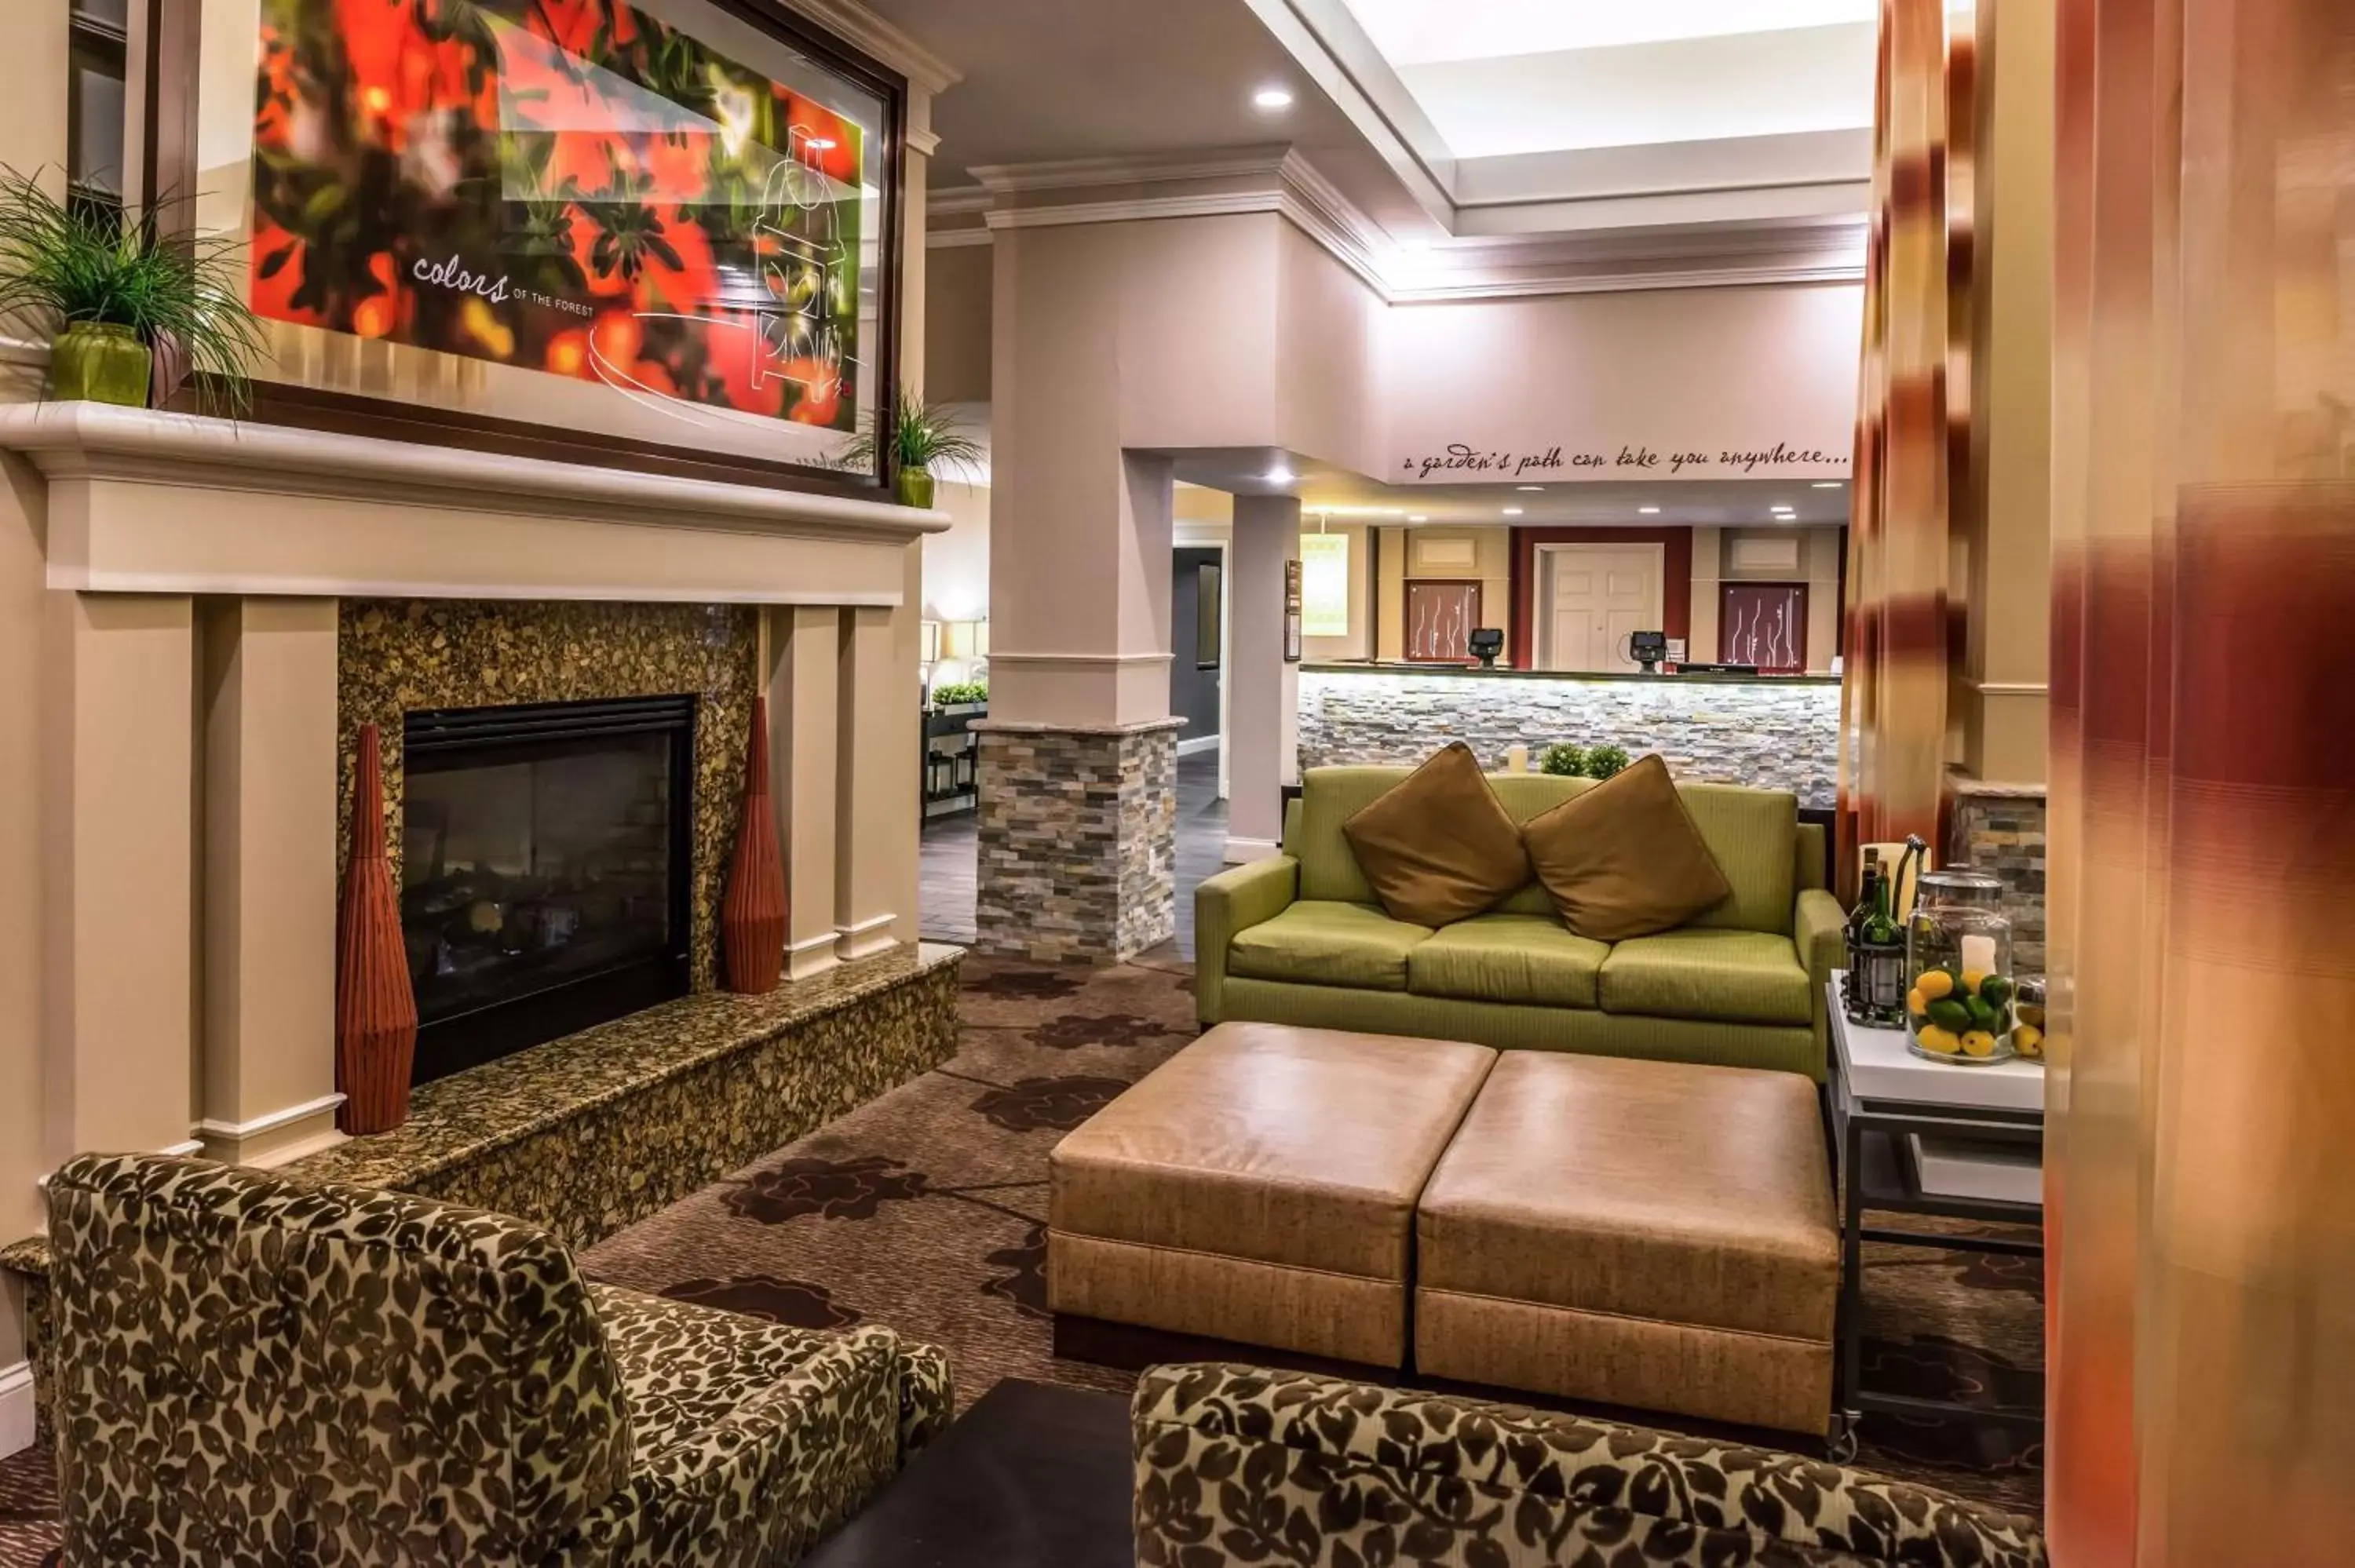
{"x": 1773, "y": 732}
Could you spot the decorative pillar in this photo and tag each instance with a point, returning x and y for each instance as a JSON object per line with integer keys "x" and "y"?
{"x": 876, "y": 779}
{"x": 805, "y": 704}
{"x": 1078, "y": 772}
{"x": 1263, "y": 708}
{"x": 269, "y": 938}
{"x": 118, "y": 871}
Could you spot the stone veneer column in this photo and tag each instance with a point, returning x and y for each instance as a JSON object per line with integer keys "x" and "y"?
{"x": 1263, "y": 689}
{"x": 118, "y": 934}
{"x": 1078, "y": 841}
{"x": 268, "y": 1060}
{"x": 804, "y": 705}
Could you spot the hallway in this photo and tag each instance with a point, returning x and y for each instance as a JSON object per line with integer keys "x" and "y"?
{"x": 950, "y": 845}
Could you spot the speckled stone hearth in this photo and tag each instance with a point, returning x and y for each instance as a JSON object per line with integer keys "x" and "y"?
{"x": 1078, "y": 835}
{"x": 597, "y": 1130}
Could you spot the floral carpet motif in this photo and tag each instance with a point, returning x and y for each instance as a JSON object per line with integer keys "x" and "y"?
{"x": 926, "y": 1210}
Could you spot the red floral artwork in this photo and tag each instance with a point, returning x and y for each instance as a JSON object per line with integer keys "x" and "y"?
{"x": 569, "y": 185}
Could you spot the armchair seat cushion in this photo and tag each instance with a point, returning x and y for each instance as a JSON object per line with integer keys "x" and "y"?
{"x": 1532, "y": 959}
{"x": 1722, "y": 976}
{"x": 1316, "y": 942}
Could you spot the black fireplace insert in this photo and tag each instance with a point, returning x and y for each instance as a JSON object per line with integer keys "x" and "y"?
{"x": 545, "y": 870}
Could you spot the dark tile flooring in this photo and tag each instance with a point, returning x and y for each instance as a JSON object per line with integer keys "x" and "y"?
{"x": 950, "y": 848}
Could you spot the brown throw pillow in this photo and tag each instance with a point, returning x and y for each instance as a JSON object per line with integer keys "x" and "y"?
{"x": 1624, "y": 859}
{"x": 1439, "y": 846}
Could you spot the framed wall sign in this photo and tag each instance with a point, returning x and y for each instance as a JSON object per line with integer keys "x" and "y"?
{"x": 659, "y": 232}
{"x": 1291, "y": 612}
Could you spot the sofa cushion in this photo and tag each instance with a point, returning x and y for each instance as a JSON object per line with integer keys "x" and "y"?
{"x": 1320, "y": 942}
{"x": 1509, "y": 958}
{"x": 1625, "y": 859}
{"x": 1752, "y": 834}
{"x": 1438, "y": 848}
{"x": 1731, "y": 976}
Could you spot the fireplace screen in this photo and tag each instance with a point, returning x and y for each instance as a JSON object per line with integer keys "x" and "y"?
{"x": 544, "y": 870}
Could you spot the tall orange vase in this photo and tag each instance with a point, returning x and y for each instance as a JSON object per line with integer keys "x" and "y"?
{"x": 752, "y": 915}
{"x": 376, "y": 1011}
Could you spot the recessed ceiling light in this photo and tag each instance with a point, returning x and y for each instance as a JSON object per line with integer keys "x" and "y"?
{"x": 1828, "y": 483}
{"x": 1280, "y": 474}
{"x": 1418, "y": 517}
{"x": 1649, "y": 510}
{"x": 1528, "y": 487}
{"x": 1512, "y": 512}
{"x": 1270, "y": 99}
{"x": 1781, "y": 507}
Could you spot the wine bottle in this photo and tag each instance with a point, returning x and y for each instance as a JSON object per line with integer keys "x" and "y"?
{"x": 1880, "y": 927}
{"x": 1864, "y": 904}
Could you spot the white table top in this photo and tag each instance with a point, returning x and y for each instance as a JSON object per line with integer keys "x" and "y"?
{"x": 1877, "y": 1065}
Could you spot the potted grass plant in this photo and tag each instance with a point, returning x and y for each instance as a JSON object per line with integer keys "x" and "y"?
{"x": 922, "y": 436}
{"x": 112, "y": 289}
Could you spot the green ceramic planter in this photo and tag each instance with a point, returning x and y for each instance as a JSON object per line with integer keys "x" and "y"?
{"x": 915, "y": 487}
{"x": 100, "y": 362}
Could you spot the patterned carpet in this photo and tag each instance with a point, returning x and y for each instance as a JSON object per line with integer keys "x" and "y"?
{"x": 926, "y": 1210}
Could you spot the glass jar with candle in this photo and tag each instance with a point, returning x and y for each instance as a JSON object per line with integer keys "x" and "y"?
{"x": 1960, "y": 996}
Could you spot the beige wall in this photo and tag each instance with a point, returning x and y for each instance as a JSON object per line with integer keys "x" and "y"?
{"x": 1674, "y": 370}
{"x": 956, "y": 564}
{"x": 1328, "y": 385}
{"x": 2004, "y": 532}
{"x": 1426, "y": 551}
{"x": 32, "y": 136}
{"x": 956, "y": 323}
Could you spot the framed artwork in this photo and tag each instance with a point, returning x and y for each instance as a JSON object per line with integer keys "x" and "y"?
{"x": 1325, "y": 585}
{"x": 1209, "y": 615}
{"x": 1440, "y": 616}
{"x": 1291, "y": 612}
{"x": 647, "y": 229}
{"x": 1765, "y": 624}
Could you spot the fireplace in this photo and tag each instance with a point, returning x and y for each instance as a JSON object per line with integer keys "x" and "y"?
{"x": 545, "y": 870}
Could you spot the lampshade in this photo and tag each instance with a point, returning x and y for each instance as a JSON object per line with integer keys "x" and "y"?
{"x": 930, "y": 631}
{"x": 958, "y": 637}
{"x": 981, "y": 638}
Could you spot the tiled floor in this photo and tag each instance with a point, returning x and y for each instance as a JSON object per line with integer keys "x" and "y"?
{"x": 949, "y": 850}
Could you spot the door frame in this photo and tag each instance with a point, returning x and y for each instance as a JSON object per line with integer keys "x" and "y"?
{"x": 1729, "y": 584}
{"x": 1542, "y": 597}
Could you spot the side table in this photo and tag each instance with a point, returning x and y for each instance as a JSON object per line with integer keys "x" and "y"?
{"x": 1884, "y": 1100}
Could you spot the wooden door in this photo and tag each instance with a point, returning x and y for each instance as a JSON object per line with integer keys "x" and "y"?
{"x": 1765, "y": 624}
{"x": 1440, "y": 618}
{"x": 1597, "y": 598}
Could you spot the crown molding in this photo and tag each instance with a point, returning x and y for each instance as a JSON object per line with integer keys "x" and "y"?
{"x": 1141, "y": 169}
{"x": 885, "y": 41}
{"x": 954, "y": 238}
{"x": 955, "y": 201}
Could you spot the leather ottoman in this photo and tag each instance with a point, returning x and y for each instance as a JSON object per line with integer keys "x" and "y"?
{"x": 1260, "y": 1187}
{"x": 1643, "y": 1234}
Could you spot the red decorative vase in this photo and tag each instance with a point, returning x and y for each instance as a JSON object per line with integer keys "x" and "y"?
{"x": 752, "y": 915}
{"x": 375, "y": 1012}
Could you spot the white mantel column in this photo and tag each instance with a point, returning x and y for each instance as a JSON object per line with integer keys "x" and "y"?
{"x": 878, "y": 780}
{"x": 268, "y": 707}
{"x": 805, "y": 650}
{"x": 118, "y": 932}
{"x": 1263, "y": 700}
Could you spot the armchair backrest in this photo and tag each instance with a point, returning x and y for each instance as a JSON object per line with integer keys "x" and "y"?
{"x": 1753, "y": 833}
{"x": 291, "y": 1365}
{"x": 1235, "y": 1463}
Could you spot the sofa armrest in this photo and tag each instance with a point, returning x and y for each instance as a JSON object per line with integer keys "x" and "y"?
{"x": 1230, "y": 902}
{"x": 1235, "y": 1463}
{"x": 1817, "y": 930}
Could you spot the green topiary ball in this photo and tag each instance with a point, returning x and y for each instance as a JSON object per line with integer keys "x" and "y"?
{"x": 1563, "y": 759}
{"x": 1602, "y": 761}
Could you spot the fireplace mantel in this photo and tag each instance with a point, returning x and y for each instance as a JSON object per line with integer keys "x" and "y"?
{"x": 145, "y": 501}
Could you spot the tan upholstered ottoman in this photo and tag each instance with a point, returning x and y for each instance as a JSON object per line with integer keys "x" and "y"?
{"x": 1642, "y": 1233}
{"x": 1260, "y": 1187}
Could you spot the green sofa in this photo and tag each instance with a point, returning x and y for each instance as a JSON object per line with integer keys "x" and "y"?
{"x": 1299, "y": 938}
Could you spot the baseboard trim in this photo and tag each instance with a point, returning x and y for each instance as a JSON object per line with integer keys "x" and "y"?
{"x": 865, "y": 938}
{"x": 1200, "y": 743}
{"x": 811, "y": 956}
{"x": 194, "y": 1146}
{"x": 16, "y": 1408}
{"x": 1242, "y": 852}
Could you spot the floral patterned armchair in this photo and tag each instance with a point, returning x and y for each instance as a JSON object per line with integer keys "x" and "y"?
{"x": 252, "y": 1371}
{"x": 1237, "y": 1465}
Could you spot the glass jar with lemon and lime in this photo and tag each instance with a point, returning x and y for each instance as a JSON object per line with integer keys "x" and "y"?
{"x": 1960, "y": 993}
